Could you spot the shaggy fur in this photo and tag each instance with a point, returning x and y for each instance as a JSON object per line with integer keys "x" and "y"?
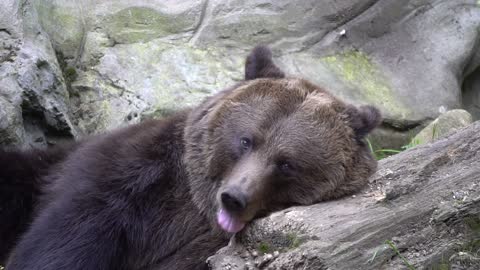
{"x": 22, "y": 174}
{"x": 147, "y": 196}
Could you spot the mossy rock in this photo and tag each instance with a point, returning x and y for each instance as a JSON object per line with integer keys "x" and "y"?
{"x": 358, "y": 71}
{"x": 142, "y": 24}
{"x": 445, "y": 124}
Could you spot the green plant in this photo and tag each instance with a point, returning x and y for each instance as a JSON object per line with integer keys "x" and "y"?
{"x": 473, "y": 246}
{"x": 264, "y": 248}
{"x": 381, "y": 153}
{"x": 70, "y": 74}
{"x": 293, "y": 240}
{"x": 386, "y": 152}
{"x": 434, "y": 131}
{"x": 413, "y": 142}
{"x": 395, "y": 249}
{"x": 370, "y": 146}
{"x": 442, "y": 265}
{"x": 416, "y": 141}
{"x": 374, "y": 256}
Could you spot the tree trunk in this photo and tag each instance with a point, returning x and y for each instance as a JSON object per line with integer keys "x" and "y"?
{"x": 421, "y": 210}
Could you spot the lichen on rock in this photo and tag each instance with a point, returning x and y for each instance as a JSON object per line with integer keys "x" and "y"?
{"x": 356, "y": 69}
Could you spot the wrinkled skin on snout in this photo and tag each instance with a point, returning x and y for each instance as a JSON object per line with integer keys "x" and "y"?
{"x": 272, "y": 142}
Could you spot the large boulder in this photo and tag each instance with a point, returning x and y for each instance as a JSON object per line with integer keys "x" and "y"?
{"x": 33, "y": 97}
{"x": 420, "y": 211}
{"x": 123, "y": 60}
{"x": 131, "y": 59}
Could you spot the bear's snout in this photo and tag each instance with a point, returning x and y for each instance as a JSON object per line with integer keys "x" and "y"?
{"x": 233, "y": 199}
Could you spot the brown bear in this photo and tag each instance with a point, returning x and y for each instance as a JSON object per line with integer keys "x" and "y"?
{"x": 166, "y": 194}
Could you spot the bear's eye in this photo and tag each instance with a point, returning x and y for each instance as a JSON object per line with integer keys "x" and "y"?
{"x": 245, "y": 143}
{"x": 285, "y": 167}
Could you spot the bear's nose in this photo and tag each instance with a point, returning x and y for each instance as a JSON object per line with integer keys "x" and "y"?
{"x": 233, "y": 200}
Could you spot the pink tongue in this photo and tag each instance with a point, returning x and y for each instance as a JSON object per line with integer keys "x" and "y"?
{"x": 228, "y": 222}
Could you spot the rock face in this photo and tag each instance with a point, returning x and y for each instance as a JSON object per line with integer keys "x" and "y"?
{"x": 71, "y": 68}
{"x": 422, "y": 209}
{"x": 81, "y": 67}
{"x": 33, "y": 96}
{"x": 131, "y": 59}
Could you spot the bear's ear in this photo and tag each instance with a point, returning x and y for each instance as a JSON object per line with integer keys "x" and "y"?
{"x": 363, "y": 119}
{"x": 259, "y": 64}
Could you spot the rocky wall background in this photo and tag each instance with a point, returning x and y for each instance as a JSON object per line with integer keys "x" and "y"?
{"x": 73, "y": 68}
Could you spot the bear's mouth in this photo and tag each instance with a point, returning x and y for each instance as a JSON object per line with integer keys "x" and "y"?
{"x": 229, "y": 222}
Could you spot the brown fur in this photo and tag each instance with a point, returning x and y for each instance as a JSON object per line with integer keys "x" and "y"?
{"x": 147, "y": 196}
{"x": 288, "y": 118}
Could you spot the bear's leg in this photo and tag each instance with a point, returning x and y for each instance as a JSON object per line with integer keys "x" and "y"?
{"x": 73, "y": 232}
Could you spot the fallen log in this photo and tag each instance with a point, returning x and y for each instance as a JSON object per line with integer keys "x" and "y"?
{"x": 421, "y": 210}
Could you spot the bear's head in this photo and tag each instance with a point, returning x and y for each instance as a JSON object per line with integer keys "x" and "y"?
{"x": 271, "y": 142}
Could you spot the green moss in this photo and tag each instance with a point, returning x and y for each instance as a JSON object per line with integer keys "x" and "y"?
{"x": 141, "y": 24}
{"x": 264, "y": 248}
{"x": 70, "y": 74}
{"x": 356, "y": 69}
{"x": 62, "y": 23}
{"x": 443, "y": 265}
{"x": 160, "y": 113}
{"x": 473, "y": 224}
{"x": 51, "y": 14}
{"x": 473, "y": 246}
{"x": 293, "y": 241}
{"x": 64, "y": 18}
{"x": 279, "y": 242}
{"x": 42, "y": 64}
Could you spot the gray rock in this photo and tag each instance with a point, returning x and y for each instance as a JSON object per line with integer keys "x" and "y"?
{"x": 446, "y": 123}
{"x": 93, "y": 65}
{"x": 423, "y": 203}
{"x": 151, "y": 57}
{"x": 10, "y": 123}
{"x": 32, "y": 84}
{"x": 471, "y": 94}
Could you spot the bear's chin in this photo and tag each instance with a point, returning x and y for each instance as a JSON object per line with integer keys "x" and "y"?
{"x": 229, "y": 222}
